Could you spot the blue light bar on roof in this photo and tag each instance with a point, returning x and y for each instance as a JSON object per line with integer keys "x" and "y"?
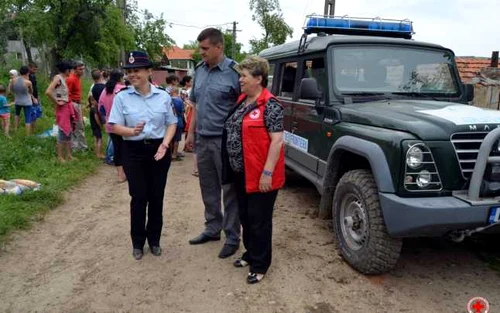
{"x": 358, "y": 26}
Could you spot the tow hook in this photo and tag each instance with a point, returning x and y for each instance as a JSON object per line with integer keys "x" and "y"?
{"x": 460, "y": 235}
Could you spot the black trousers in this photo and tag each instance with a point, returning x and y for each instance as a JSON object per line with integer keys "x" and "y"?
{"x": 256, "y": 218}
{"x": 117, "y": 149}
{"x": 146, "y": 182}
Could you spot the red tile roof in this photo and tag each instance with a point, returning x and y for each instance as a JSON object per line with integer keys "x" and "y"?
{"x": 176, "y": 53}
{"x": 470, "y": 67}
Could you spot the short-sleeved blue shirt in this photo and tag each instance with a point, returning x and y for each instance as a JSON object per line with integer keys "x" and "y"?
{"x": 3, "y": 105}
{"x": 178, "y": 104}
{"x": 130, "y": 107}
{"x": 215, "y": 91}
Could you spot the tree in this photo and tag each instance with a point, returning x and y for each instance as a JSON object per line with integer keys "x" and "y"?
{"x": 193, "y": 45}
{"x": 228, "y": 47}
{"x": 267, "y": 13}
{"x": 149, "y": 31}
{"x": 6, "y": 27}
{"x": 83, "y": 29}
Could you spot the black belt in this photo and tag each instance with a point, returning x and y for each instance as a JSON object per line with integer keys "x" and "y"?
{"x": 75, "y": 101}
{"x": 146, "y": 141}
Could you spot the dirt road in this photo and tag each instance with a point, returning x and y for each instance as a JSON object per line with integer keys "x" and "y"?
{"x": 79, "y": 260}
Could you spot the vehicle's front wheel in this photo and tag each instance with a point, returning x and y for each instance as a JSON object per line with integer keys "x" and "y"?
{"x": 359, "y": 226}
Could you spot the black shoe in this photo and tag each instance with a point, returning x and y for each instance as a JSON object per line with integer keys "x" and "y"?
{"x": 202, "y": 239}
{"x": 228, "y": 250}
{"x": 155, "y": 250}
{"x": 254, "y": 278}
{"x": 137, "y": 254}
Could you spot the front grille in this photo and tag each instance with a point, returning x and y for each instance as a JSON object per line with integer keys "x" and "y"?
{"x": 467, "y": 148}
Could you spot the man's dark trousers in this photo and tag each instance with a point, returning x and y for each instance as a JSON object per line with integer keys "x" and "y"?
{"x": 208, "y": 153}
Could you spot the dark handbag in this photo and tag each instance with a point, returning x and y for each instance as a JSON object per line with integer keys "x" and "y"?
{"x": 227, "y": 171}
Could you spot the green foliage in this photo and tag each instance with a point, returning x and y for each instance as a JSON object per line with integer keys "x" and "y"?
{"x": 92, "y": 30}
{"x": 228, "y": 47}
{"x": 34, "y": 158}
{"x": 149, "y": 31}
{"x": 193, "y": 45}
{"x": 267, "y": 13}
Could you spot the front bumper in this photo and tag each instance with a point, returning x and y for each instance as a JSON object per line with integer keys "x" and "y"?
{"x": 437, "y": 216}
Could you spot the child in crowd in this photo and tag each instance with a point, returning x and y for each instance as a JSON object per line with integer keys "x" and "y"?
{"x": 4, "y": 111}
{"x": 178, "y": 105}
{"x": 95, "y": 120}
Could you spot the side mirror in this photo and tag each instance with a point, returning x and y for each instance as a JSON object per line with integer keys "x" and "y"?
{"x": 469, "y": 92}
{"x": 309, "y": 90}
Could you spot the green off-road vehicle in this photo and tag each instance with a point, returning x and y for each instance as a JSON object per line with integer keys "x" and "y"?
{"x": 379, "y": 123}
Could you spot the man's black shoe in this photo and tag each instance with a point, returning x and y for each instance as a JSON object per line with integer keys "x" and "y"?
{"x": 228, "y": 250}
{"x": 202, "y": 239}
{"x": 155, "y": 250}
{"x": 137, "y": 254}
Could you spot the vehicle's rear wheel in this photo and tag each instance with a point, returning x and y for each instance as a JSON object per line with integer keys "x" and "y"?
{"x": 359, "y": 227}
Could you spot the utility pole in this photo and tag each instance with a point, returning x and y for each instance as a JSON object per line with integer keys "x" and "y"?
{"x": 233, "y": 46}
{"x": 329, "y": 7}
{"x": 233, "y": 51}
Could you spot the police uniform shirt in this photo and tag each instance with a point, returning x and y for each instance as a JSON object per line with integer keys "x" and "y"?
{"x": 130, "y": 107}
{"x": 214, "y": 92}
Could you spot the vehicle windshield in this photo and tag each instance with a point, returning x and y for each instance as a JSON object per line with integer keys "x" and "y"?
{"x": 399, "y": 70}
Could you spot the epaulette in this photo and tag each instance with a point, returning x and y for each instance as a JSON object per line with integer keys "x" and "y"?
{"x": 161, "y": 88}
{"x": 233, "y": 65}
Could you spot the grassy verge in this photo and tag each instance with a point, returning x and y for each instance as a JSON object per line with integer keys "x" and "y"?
{"x": 34, "y": 158}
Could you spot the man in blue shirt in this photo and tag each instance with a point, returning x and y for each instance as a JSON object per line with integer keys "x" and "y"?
{"x": 216, "y": 89}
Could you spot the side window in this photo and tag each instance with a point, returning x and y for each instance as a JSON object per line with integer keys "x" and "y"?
{"x": 315, "y": 68}
{"x": 288, "y": 75}
{"x": 271, "y": 76}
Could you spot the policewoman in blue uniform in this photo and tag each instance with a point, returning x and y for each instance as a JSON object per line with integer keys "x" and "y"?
{"x": 142, "y": 114}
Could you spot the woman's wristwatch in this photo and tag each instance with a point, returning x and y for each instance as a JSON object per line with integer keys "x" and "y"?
{"x": 267, "y": 173}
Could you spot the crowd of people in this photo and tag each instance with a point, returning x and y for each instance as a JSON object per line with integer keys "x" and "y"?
{"x": 232, "y": 124}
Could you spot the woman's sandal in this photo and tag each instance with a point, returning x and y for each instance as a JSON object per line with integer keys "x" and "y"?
{"x": 240, "y": 263}
{"x": 254, "y": 278}
{"x": 194, "y": 173}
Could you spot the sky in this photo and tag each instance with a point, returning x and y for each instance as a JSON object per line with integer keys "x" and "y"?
{"x": 468, "y": 27}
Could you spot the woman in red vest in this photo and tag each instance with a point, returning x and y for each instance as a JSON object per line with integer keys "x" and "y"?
{"x": 253, "y": 157}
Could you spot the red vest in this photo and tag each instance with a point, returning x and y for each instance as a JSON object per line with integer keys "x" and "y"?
{"x": 256, "y": 142}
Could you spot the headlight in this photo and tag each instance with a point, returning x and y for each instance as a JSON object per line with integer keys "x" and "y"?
{"x": 421, "y": 173}
{"x": 424, "y": 178}
{"x": 414, "y": 157}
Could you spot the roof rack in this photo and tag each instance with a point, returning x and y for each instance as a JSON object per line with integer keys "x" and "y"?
{"x": 345, "y": 25}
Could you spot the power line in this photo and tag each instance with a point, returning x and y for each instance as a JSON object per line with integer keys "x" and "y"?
{"x": 183, "y": 24}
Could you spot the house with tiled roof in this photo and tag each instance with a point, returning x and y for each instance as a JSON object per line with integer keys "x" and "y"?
{"x": 470, "y": 67}
{"x": 180, "y": 58}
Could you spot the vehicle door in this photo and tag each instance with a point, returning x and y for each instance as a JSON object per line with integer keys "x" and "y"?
{"x": 306, "y": 138}
{"x": 284, "y": 88}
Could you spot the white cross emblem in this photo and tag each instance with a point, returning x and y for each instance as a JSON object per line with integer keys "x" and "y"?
{"x": 255, "y": 114}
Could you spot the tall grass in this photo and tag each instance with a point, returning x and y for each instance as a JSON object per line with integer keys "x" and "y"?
{"x": 34, "y": 158}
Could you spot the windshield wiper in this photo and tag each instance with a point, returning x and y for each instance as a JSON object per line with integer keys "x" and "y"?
{"x": 364, "y": 93}
{"x": 416, "y": 95}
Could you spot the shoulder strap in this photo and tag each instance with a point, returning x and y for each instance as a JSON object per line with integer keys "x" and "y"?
{"x": 233, "y": 66}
